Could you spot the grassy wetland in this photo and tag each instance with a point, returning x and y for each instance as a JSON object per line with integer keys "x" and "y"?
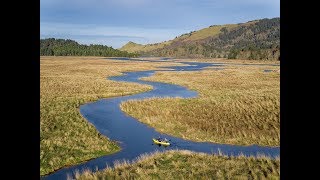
{"x": 236, "y": 105}
{"x": 190, "y": 165}
{"x": 66, "y": 138}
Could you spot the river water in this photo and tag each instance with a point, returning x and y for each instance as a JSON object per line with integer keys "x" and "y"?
{"x": 135, "y": 138}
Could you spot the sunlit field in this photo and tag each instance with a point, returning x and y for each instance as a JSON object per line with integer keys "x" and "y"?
{"x": 189, "y": 165}
{"x": 236, "y": 105}
{"x": 66, "y": 138}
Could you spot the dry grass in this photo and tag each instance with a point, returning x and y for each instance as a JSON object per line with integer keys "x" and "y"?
{"x": 237, "y": 105}
{"x": 197, "y": 35}
{"x": 189, "y": 165}
{"x": 229, "y": 61}
{"x": 66, "y": 138}
{"x": 207, "y": 32}
{"x": 146, "y": 48}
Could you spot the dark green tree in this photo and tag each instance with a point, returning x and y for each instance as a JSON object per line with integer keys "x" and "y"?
{"x": 68, "y": 47}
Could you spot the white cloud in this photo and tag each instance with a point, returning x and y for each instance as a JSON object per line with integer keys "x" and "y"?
{"x": 139, "y": 35}
{"x": 96, "y": 3}
{"x": 87, "y": 29}
{"x": 131, "y": 2}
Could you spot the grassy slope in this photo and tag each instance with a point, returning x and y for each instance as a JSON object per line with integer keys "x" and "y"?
{"x": 237, "y": 105}
{"x": 197, "y": 35}
{"x": 258, "y": 39}
{"x": 207, "y": 32}
{"x": 134, "y": 47}
{"x": 66, "y": 138}
{"x": 190, "y": 165}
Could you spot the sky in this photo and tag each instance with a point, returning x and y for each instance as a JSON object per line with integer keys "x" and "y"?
{"x": 116, "y": 22}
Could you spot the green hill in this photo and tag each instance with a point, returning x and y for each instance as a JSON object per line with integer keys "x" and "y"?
{"x": 62, "y": 47}
{"x": 258, "y": 39}
{"x": 136, "y": 48}
{"x": 194, "y": 35}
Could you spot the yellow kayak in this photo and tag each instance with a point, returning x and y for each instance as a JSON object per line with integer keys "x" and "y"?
{"x": 160, "y": 142}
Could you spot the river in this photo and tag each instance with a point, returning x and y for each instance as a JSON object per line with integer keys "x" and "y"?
{"x": 135, "y": 138}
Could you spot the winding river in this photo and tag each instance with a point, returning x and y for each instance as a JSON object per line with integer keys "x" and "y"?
{"x": 135, "y": 138}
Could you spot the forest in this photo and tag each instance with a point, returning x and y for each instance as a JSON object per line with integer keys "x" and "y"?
{"x": 68, "y": 47}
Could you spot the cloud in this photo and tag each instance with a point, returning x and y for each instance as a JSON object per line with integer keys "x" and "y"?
{"x": 116, "y": 36}
{"x": 96, "y": 4}
{"x": 92, "y": 29}
{"x": 131, "y": 3}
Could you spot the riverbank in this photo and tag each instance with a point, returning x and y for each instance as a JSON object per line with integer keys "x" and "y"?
{"x": 239, "y": 104}
{"x": 66, "y": 138}
{"x": 189, "y": 165}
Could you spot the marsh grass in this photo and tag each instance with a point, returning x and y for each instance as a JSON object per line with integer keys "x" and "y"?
{"x": 237, "y": 105}
{"x": 184, "y": 164}
{"x": 229, "y": 61}
{"x": 66, "y": 138}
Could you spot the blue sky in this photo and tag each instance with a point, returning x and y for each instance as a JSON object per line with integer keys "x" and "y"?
{"x": 115, "y": 22}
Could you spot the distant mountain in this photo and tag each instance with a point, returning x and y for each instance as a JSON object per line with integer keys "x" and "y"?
{"x": 258, "y": 39}
{"x": 62, "y": 47}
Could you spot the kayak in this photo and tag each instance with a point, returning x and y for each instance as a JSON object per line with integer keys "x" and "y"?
{"x": 160, "y": 142}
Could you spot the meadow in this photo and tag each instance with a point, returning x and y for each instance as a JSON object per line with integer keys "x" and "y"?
{"x": 66, "y": 138}
{"x": 189, "y": 165}
{"x": 230, "y": 61}
{"x": 236, "y": 105}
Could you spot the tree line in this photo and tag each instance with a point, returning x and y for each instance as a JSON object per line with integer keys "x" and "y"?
{"x": 68, "y": 47}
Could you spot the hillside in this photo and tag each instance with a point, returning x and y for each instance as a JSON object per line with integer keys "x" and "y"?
{"x": 62, "y": 47}
{"x": 258, "y": 39}
{"x": 137, "y": 48}
{"x": 194, "y": 35}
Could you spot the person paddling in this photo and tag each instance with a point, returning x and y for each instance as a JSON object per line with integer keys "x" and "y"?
{"x": 162, "y": 140}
